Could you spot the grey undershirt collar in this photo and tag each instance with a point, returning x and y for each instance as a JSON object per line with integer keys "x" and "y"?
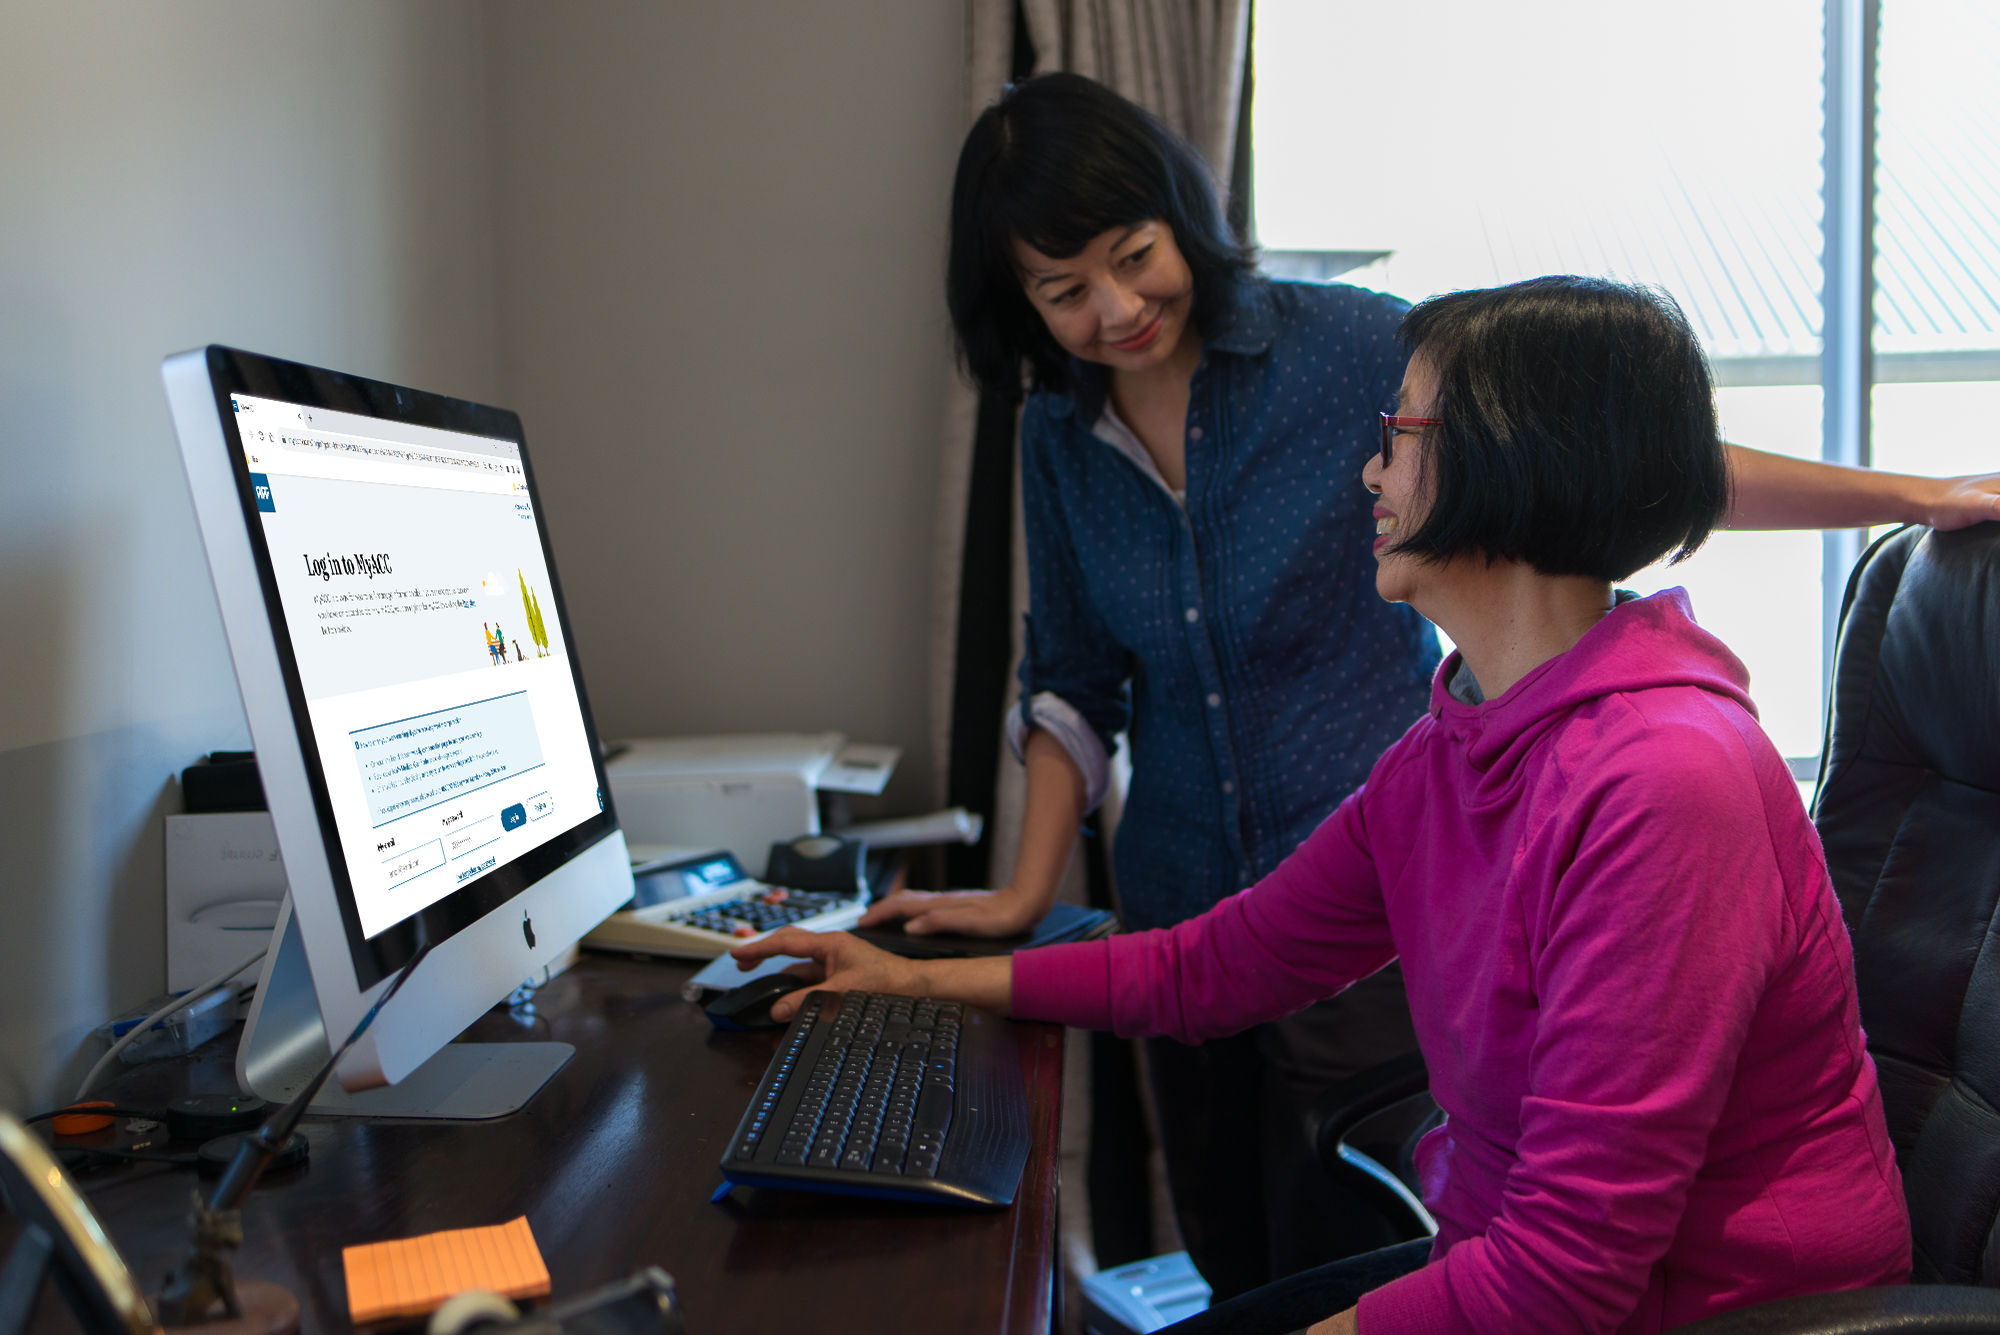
{"x": 1464, "y": 687}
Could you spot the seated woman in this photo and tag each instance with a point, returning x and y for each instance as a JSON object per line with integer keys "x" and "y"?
{"x": 1627, "y": 968}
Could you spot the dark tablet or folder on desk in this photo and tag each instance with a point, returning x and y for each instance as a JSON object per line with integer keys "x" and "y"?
{"x": 1065, "y": 922}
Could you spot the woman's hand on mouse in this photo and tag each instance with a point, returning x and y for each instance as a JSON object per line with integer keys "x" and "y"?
{"x": 840, "y": 963}
{"x": 845, "y": 963}
{"x": 1004, "y": 912}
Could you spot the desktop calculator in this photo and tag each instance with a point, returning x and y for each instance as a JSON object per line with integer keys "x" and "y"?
{"x": 702, "y": 907}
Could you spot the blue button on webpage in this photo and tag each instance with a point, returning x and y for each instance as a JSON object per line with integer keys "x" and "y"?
{"x": 514, "y": 817}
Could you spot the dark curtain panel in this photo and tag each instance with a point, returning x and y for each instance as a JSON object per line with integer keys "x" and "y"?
{"x": 985, "y": 600}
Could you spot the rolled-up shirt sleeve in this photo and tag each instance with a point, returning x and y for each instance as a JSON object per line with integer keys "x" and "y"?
{"x": 1054, "y": 715}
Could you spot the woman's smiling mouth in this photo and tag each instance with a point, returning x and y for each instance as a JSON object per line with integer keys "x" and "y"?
{"x": 1142, "y": 340}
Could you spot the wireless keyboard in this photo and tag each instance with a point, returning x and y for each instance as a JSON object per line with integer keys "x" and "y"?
{"x": 699, "y": 908}
{"x": 907, "y": 1098}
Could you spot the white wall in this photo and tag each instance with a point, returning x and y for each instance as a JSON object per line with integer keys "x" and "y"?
{"x": 305, "y": 180}
{"x": 722, "y": 242}
{"x": 697, "y": 245}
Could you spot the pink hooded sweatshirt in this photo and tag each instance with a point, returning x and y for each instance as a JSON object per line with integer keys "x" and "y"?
{"x": 1629, "y": 977}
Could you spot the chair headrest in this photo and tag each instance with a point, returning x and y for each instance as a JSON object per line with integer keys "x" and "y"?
{"x": 1926, "y": 616}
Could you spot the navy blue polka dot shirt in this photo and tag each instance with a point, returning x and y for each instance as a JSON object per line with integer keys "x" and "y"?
{"x": 1239, "y": 641}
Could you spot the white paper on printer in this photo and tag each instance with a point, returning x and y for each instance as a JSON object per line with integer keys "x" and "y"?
{"x": 860, "y": 768}
{"x": 736, "y": 755}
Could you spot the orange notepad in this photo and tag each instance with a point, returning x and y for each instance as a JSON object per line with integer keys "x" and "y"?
{"x": 412, "y": 1277}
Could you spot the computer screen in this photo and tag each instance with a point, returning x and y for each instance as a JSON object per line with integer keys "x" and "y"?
{"x": 442, "y": 700}
{"x": 412, "y": 687}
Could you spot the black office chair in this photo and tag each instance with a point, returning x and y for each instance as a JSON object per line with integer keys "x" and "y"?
{"x": 1908, "y": 808}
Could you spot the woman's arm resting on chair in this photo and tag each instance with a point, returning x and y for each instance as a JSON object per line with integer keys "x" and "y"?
{"x": 1340, "y": 1323}
{"x": 1777, "y": 491}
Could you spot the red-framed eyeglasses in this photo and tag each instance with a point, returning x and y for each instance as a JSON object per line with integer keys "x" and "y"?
{"x": 1392, "y": 425}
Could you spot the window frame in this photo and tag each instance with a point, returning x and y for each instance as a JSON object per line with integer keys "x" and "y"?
{"x": 1846, "y": 367}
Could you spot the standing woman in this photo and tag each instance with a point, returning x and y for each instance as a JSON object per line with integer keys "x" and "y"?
{"x": 1201, "y": 579}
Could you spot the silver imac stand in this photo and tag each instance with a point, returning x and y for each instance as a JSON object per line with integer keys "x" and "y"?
{"x": 284, "y": 1044}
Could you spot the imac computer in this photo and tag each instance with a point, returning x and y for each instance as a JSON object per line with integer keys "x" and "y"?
{"x": 413, "y": 693}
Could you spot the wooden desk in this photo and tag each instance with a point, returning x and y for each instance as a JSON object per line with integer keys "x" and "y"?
{"x": 614, "y": 1163}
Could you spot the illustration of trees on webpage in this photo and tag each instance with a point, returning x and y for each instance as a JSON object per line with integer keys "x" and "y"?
{"x": 499, "y": 647}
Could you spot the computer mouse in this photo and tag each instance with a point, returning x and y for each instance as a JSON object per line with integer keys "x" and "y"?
{"x": 749, "y": 1006}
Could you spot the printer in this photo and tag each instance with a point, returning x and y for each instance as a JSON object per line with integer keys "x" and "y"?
{"x": 742, "y": 793}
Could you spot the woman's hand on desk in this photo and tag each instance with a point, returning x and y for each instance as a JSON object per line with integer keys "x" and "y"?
{"x": 1048, "y": 834}
{"x": 967, "y": 912}
{"x": 844, "y": 963}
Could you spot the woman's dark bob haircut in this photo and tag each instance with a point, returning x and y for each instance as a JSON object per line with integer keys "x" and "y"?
{"x": 1058, "y": 161}
{"x": 1579, "y": 431}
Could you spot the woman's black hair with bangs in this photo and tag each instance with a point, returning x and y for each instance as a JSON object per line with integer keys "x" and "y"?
{"x": 1058, "y": 161}
{"x": 1579, "y": 431}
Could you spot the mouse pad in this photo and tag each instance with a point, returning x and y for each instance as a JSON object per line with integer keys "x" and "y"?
{"x": 1065, "y": 922}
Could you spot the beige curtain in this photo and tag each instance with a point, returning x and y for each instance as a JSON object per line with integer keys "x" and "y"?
{"x": 1182, "y": 60}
